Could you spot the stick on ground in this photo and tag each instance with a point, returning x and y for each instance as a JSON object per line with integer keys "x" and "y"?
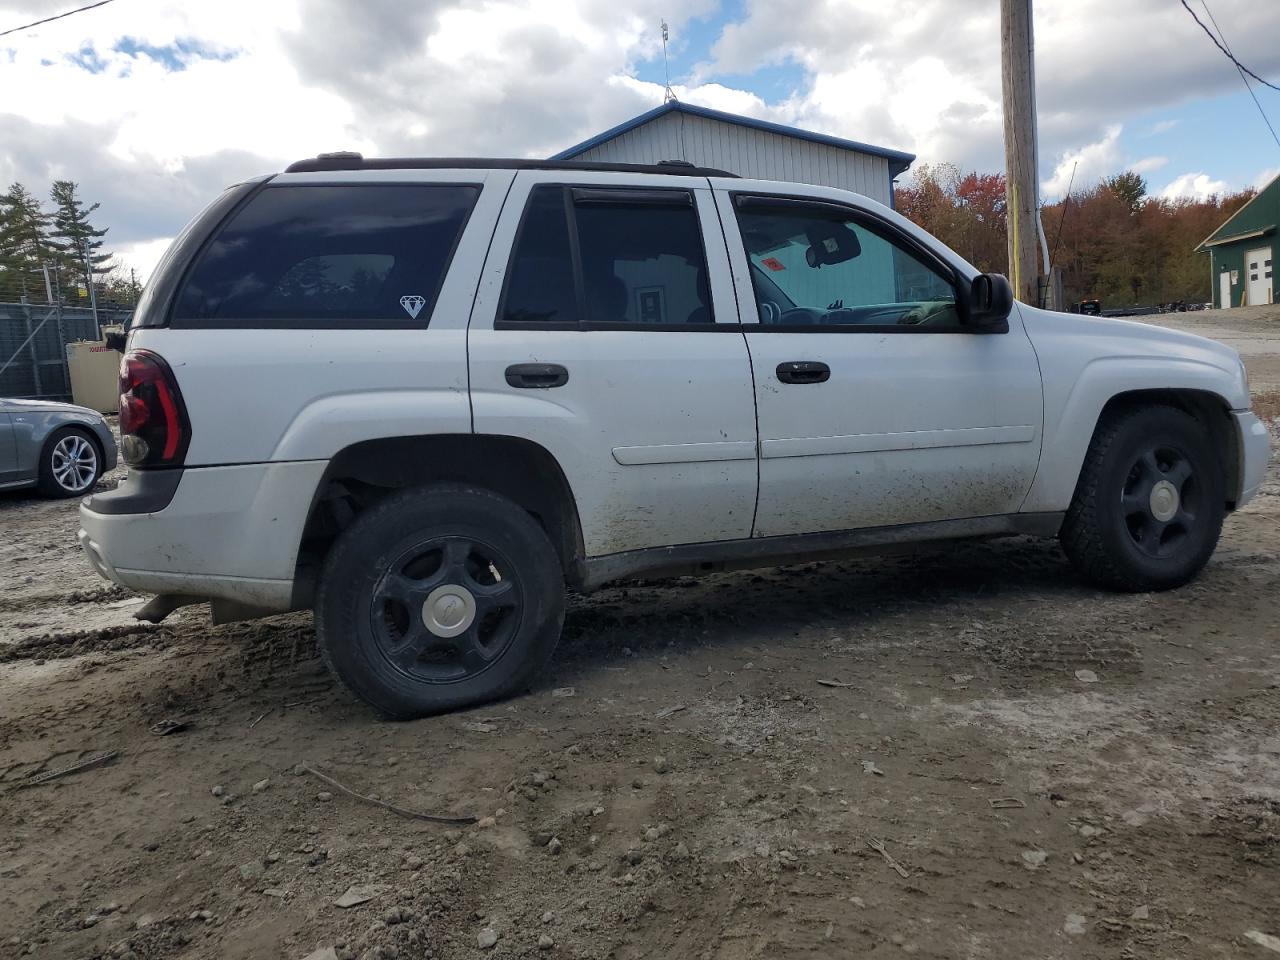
{"x": 73, "y": 768}
{"x": 399, "y": 811}
{"x": 878, "y": 846}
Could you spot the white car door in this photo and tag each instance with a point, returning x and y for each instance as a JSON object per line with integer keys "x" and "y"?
{"x": 875, "y": 405}
{"x": 605, "y": 330}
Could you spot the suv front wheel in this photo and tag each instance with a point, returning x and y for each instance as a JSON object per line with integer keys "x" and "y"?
{"x": 437, "y": 598}
{"x": 1149, "y": 504}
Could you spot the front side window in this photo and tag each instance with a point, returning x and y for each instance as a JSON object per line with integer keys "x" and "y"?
{"x": 608, "y": 257}
{"x": 329, "y": 256}
{"x": 816, "y": 266}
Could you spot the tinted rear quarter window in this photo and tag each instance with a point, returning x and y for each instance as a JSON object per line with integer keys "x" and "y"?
{"x": 540, "y": 285}
{"x": 329, "y": 256}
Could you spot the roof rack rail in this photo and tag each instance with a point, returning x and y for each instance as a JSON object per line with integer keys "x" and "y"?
{"x": 349, "y": 160}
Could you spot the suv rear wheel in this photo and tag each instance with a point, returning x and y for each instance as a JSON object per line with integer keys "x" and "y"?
{"x": 439, "y": 597}
{"x": 1148, "y": 507}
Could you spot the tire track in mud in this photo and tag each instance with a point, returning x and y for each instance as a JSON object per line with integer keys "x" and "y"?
{"x": 64, "y": 645}
{"x": 258, "y": 644}
{"x": 35, "y": 601}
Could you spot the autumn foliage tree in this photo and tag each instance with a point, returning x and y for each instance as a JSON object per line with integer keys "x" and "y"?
{"x": 1127, "y": 252}
{"x": 966, "y": 211}
{"x": 1112, "y": 240}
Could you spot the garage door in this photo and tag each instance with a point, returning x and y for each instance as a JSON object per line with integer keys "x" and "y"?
{"x": 1259, "y": 270}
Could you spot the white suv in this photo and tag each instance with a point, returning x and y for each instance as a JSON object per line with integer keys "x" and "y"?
{"x": 425, "y": 397}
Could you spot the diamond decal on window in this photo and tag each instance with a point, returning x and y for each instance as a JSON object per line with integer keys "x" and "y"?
{"x": 413, "y": 305}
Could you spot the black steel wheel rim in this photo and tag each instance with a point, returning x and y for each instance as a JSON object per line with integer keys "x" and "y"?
{"x": 1160, "y": 500}
{"x": 446, "y": 609}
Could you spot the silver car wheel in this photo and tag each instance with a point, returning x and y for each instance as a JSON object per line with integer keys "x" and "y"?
{"x": 75, "y": 463}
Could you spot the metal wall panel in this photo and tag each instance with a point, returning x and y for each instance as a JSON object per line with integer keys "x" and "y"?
{"x": 748, "y": 153}
{"x": 33, "y": 346}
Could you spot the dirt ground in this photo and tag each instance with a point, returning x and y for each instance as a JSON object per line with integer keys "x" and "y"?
{"x": 1056, "y": 771}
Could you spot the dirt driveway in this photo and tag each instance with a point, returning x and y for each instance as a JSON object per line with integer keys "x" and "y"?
{"x": 1053, "y": 771}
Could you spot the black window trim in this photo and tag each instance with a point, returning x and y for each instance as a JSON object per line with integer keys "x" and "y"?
{"x": 304, "y": 323}
{"x": 632, "y": 197}
{"x": 876, "y": 224}
{"x": 623, "y": 195}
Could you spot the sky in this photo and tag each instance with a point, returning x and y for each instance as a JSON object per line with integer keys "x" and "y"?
{"x": 153, "y": 107}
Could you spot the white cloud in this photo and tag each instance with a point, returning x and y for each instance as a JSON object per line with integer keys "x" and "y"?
{"x": 925, "y": 76}
{"x": 719, "y": 97}
{"x": 140, "y": 257}
{"x": 1093, "y": 162}
{"x": 152, "y": 143}
{"x": 1194, "y": 186}
{"x": 1162, "y": 126}
{"x": 1088, "y": 164}
{"x": 878, "y": 72}
{"x": 266, "y": 83}
{"x": 1265, "y": 177}
{"x": 1148, "y": 164}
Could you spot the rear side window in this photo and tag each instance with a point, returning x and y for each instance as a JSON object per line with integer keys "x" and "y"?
{"x": 329, "y": 256}
{"x": 606, "y": 257}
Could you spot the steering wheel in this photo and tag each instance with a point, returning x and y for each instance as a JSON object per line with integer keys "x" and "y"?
{"x": 770, "y": 312}
{"x": 923, "y": 313}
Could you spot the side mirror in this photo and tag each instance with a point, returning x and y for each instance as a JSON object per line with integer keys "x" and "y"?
{"x": 990, "y": 302}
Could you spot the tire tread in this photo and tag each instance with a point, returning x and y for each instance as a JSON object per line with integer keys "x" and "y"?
{"x": 389, "y": 507}
{"x": 1082, "y": 535}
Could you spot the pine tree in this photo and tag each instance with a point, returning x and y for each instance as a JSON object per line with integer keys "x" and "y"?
{"x": 1130, "y": 187}
{"x": 76, "y": 238}
{"x": 24, "y": 244}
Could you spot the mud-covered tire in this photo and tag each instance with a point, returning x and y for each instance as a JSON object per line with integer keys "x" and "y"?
{"x": 420, "y": 565}
{"x": 1148, "y": 507}
{"x": 70, "y": 463}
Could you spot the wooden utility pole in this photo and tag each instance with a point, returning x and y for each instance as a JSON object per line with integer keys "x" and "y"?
{"x": 1018, "y": 82}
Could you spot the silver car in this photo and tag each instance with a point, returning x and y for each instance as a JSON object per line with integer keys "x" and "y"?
{"x": 59, "y": 448}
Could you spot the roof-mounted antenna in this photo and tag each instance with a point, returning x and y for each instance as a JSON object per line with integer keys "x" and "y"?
{"x": 668, "y": 95}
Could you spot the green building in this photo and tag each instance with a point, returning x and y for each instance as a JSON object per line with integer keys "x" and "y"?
{"x": 1242, "y": 252}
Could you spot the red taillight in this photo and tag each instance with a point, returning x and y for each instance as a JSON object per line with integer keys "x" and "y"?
{"x": 154, "y": 429}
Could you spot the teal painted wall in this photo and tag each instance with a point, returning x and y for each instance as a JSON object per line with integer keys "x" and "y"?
{"x": 1231, "y": 257}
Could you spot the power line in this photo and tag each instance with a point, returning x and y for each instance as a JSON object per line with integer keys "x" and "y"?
{"x": 1240, "y": 68}
{"x": 100, "y": 3}
{"x": 1229, "y": 55}
{"x": 1062, "y": 222}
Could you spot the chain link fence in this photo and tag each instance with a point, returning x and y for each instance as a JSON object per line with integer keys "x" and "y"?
{"x": 33, "y": 346}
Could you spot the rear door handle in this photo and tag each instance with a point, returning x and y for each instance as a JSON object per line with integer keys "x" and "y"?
{"x": 537, "y": 376}
{"x": 803, "y": 371}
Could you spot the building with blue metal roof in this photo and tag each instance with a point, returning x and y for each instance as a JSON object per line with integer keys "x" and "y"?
{"x": 747, "y": 147}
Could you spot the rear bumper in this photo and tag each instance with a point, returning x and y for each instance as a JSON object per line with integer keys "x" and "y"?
{"x": 142, "y": 491}
{"x": 1255, "y": 452}
{"x": 222, "y": 532}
